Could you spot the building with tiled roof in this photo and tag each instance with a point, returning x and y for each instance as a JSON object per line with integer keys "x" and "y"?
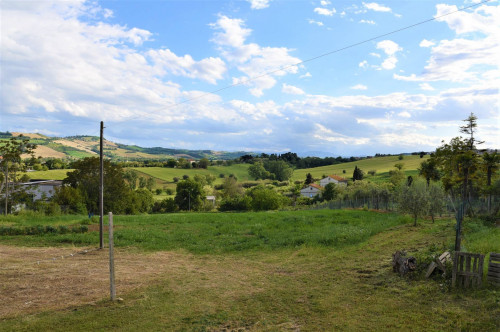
{"x": 333, "y": 179}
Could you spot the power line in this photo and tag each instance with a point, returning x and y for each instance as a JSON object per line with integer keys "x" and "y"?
{"x": 269, "y": 73}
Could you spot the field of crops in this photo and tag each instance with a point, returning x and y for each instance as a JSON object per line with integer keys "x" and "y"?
{"x": 267, "y": 271}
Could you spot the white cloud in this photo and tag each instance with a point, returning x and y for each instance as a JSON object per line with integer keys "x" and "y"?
{"x": 367, "y": 22}
{"x": 390, "y": 48}
{"x": 325, "y": 134}
{"x": 404, "y": 114}
{"x": 325, "y": 11}
{"x": 459, "y": 59}
{"x": 292, "y": 90}
{"x": 426, "y": 87}
{"x": 209, "y": 69}
{"x": 259, "y": 4}
{"x": 363, "y": 64}
{"x": 375, "y": 55}
{"x": 325, "y": 3}
{"x": 318, "y": 23}
{"x": 359, "y": 87}
{"x": 251, "y": 59}
{"x": 231, "y": 32}
{"x": 426, "y": 43}
{"x": 306, "y": 75}
{"x": 376, "y": 7}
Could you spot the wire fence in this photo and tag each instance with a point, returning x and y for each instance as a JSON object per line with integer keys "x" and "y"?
{"x": 474, "y": 205}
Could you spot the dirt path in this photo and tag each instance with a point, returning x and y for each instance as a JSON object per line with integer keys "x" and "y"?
{"x": 39, "y": 279}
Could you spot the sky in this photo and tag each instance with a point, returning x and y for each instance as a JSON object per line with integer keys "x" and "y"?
{"x": 324, "y": 78}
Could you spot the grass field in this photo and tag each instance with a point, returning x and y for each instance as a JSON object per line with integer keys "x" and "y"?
{"x": 167, "y": 174}
{"x": 382, "y": 166}
{"x": 272, "y": 271}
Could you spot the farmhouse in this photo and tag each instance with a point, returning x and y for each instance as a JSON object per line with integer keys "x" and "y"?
{"x": 311, "y": 190}
{"x": 41, "y": 190}
{"x": 333, "y": 179}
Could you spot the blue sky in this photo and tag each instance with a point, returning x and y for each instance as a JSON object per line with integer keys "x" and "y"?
{"x": 238, "y": 75}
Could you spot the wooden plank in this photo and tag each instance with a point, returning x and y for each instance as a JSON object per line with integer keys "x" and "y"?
{"x": 494, "y": 269}
{"x": 454, "y": 270}
{"x": 494, "y": 264}
{"x": 431, "y": 268}
{"x": 481, "y": 270}
{"x": 468, "y": 271}
{"x": 494, "y": 256}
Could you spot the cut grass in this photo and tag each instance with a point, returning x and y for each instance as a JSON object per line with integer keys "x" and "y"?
{"x": 305, "y": 288}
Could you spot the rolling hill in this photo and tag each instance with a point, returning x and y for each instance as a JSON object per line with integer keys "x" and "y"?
{"x": 75, "y": 147}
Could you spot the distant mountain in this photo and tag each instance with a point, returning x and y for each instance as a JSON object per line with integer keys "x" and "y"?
{"x": 76, "y": 147}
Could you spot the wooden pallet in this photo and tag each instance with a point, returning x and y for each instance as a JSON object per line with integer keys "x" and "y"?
{"x": 439, "y": 263}
{"x": 467, "y": 270}
{"x": 494, "y": 269}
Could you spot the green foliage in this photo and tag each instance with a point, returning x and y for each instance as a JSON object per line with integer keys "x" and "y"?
{"x": 357, "y": 174}
{"x": 70, "y": 200}
{"x": 396, "y": 176}
{"x": 231, "y": 188}
{"x": 330, "y": 192}
{"x": 85, "y": 177}
{"x": 141, "y": 202}
{"x": 189, "y": 195}
{"x": 437, "y": 198}
{"x": 257, "y": 171}
{"x": 265, "y": 199}
{"x": 236, "y": 203}
{"x": 413, "y": 199}
{"x": 167, "y": 205}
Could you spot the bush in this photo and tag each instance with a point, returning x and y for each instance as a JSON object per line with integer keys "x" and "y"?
{"x": 165, "y": 206}
{"x": 238, "y": 203}
{"x": 158, "y": 191}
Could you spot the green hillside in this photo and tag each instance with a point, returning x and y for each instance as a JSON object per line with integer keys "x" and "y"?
{"x": 77, "y": 147}
{"x": 382, "y": 166}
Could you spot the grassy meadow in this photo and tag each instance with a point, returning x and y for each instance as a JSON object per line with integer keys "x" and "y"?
{"x": 382, "y": 166}
{"x": 262, "y": 271}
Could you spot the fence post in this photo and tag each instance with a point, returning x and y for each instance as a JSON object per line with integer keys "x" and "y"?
{"x": 111, "y": 259}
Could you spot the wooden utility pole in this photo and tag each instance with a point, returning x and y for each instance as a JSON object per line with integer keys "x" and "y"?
{"x": 101, "y": 189}
{"x": 6, "y": 186}
{"x": 112, "y": 288}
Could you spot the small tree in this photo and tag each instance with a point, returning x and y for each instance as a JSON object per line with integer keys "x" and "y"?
{"x": 309, "y": 179}
{"x": 413, "y": 200}
{"x": 330, "y": 192}
{"x": 436, "y": 199}
{"x": 358, "y": 174}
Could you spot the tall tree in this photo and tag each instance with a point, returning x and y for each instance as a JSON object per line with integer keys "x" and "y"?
{"x": 85, "y": 177}
{"x": 469, "y": 129}
{"x": 189, "y": 195}
{"x": 11, "y": 162}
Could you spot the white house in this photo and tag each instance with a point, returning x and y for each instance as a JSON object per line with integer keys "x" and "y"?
{"x": 311, "y": 190}
{"x": 333, "y": 179}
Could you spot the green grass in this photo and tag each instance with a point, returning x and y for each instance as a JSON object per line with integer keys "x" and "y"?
{"x": 222, "y": 232}
{"x": 278, "y": 285}
{"x": 167, "y": 174}
{"x": 382, "y": 166}
{"x": 55, "y": 174}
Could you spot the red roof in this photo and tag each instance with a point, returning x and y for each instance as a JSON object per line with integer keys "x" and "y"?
{"x": 317, "y": 186}
{"x": 338, "y": 178}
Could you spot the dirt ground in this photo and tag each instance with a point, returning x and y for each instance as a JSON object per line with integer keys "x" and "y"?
{"x": 38, "y": 279}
